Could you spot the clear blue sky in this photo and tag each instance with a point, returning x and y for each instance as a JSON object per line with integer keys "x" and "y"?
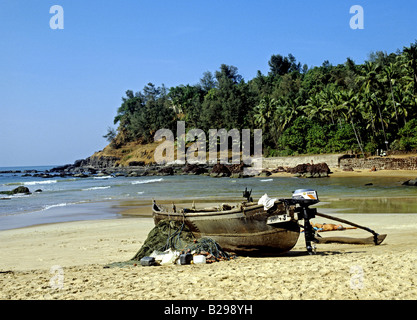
{"x": 60, "y": 89}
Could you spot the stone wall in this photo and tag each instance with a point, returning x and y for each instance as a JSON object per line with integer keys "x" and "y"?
{"x": 332, "y": 161}
{"x": 343, "y": 161}
{"x": 380, "y": 163}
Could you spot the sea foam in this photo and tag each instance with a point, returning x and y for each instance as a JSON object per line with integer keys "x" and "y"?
{"x": 147, "y": 181}
{"x": 54, "y": 206}
{"x": 96, "y": 188}
{"x": 30, "y": 183}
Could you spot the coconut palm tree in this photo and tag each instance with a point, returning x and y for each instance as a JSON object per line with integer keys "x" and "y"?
{"x": 264, "y": 112}
{"x": 352, "y": 113}
{"x": 370, "y": 88}
{"x": 326, "y": 96}
{"x": 313, "y": 108}
{"x": 410, "y": 56}
{"x": 389, "y": 76}
{"x": 332, "y": 102}
{"x": 286, "y": 112}
{"x": 264, "y": 118}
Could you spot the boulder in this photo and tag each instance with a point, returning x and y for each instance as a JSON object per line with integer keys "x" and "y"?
{"x": 80, "y": 175}
{"x": 136, "y": 163}
{"x": 410, "y": 182}
{"x": 236, "y": 168}
{"x": 194, "y": 169}
{"x": 166, "y": 171}
{"x": 278, "y": 169}
{"x": 220, "y": 170}
{"x": 310, "y": 170}
{"x": 17, "y": 190}
{"x": 61, "y": 168}
{"x": 265, "y": 173}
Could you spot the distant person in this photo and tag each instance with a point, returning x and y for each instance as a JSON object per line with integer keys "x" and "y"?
{"x": 327, "y": 226}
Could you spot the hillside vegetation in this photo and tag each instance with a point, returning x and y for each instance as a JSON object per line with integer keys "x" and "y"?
{"x": 324, "y": 109}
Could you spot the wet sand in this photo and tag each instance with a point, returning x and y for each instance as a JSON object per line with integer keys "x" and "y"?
{"x": 66, "y": 261}
{"x": 337, "y": 172}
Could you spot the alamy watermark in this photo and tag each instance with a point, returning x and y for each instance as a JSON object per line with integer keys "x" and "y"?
{"x": 357, "y": 21}
{"x": 196, "y": 153}
{"x": 357, "y": 278}
{"x": 57, "y": 20}
{"x": 57, "y": 280}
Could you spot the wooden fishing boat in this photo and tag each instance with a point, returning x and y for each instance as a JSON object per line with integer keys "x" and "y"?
{"x": 245, "y": 228}
{"x": 260, "y": 228}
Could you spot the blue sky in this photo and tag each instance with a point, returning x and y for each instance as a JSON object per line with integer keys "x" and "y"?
{"x": 60, "y": 89}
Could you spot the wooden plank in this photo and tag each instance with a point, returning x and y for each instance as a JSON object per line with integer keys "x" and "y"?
{"x": 349, "y": 240}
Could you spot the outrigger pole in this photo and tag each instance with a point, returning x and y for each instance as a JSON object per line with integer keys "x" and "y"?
{"x": 377, "y": 238}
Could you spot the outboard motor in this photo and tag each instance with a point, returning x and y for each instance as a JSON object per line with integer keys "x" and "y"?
{"x": 302, "y": 199}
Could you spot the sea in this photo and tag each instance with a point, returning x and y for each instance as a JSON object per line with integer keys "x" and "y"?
{"x": 64, "y": 199}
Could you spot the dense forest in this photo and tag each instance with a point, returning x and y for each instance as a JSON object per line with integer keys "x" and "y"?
{"x": 323, "y": 109}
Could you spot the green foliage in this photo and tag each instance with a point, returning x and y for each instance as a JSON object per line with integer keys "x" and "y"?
{"x": 408, "y": 136}
{"x": 282, "y": 65}
{"x": 299, "y": 109}
{"x": 111, "y": 134}
{"x": 343, "y": 139}
{"x": 142, "y": 114}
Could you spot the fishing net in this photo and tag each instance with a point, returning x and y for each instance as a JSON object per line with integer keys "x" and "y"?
{"x": 208, "y": 247}
{"x": 177, "y": 236}
{"x": 166, "y": 235}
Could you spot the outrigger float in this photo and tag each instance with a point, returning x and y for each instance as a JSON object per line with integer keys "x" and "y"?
{"x": 266, "y": 227}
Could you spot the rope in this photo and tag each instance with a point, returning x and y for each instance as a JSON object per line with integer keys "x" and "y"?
{"x": 173, "y": 240}
{"x": 209, "y": 245}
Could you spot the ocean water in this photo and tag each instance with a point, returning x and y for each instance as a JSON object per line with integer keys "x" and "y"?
{"x": 98, "y": 197}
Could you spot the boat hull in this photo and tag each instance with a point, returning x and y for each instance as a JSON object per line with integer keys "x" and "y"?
{"x": 243, "y": 231}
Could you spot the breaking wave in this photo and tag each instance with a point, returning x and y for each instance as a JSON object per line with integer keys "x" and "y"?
{"x": 30, "y": 183}
{"x": 96, "y": 188}
{"x": 54, "y": 206}
{"x": 147, "y": 181}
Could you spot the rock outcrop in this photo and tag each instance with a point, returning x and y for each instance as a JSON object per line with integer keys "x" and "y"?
{"x": 89, "y": 165}
{"x": 412, "y": 182}
{"x": 308, "y": 170}
{"x": 17, "y": 190}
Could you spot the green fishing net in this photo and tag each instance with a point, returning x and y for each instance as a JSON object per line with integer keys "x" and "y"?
{"x": 166, "y": 235}
{"x": 173, "y": 235}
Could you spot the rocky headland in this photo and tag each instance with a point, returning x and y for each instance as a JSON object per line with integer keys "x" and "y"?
{"x": 101, "y": 166}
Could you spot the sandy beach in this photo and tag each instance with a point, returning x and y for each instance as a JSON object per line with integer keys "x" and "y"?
{"x": 67, "y": 261}
{"x": 29, "y": 258}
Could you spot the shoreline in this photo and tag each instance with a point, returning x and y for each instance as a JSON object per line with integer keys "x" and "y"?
{"x": 117, "y": 209}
